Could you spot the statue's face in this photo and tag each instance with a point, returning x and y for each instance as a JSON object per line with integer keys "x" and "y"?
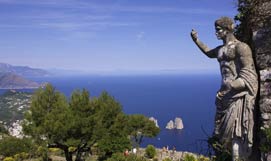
{"x": 220, "y": 33}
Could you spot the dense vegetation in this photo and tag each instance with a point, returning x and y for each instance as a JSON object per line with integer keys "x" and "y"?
{"x": 10, "y": 146}
{"x": 83, "y": 124}
{"x": 252, "y": 15}
{"x": 79, "y": 127}
{"x": 74, "y": 127}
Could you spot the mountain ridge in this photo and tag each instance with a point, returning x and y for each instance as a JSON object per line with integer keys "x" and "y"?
{"x": 17, "y": 77}
{"x": 24, "y": 71}
{"x": 13, "y": 81}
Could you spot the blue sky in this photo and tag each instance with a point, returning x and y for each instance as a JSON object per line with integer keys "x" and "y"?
{"x": 110, "y": 35}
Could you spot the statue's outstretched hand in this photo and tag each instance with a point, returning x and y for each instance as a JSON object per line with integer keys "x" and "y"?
{"x": 194, "y": 35}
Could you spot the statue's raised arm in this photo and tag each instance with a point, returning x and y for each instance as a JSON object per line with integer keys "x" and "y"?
{"x": 211, "y": 53}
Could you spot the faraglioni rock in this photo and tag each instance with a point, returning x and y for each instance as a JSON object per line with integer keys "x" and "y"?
{"x": 170, "y": 125}
{"x": 155, "y": 121}
{"x": 176, "y": 124}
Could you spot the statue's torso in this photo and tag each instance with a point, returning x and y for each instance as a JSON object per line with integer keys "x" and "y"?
{"x": 228, "y": 62}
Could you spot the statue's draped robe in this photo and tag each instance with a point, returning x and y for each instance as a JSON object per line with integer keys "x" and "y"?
{"x": 234, "y": 114}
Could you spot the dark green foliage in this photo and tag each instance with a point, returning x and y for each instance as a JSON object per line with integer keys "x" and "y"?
{"x": 140, "y": 126}
{"x": 167, "y": 159}
{"x": 189, "y": 157}
{"x": 243, "y": 32}
{"x": 49, "y": 119}
{"x": 3, "y": 130}
{"x": 9, "y": 146}
{"x": 266, "y": 146}
{"x": 252, "y": 15}
{"x": 221, "y": 152}
{"x": 110, "y": 126}
{"x": 82, "y": 123}
{"x": 112, "y": 144}
{"x": 150, "y": 151}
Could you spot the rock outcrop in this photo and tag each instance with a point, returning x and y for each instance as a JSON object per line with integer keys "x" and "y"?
{"x": 176, "y": 124}
{"x": 155, "y": 121}
{"x": 170, "y": 125}
{"x": 258, "y": 29}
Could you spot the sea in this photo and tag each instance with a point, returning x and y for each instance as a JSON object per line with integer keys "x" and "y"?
{"x": 164, "y": 97}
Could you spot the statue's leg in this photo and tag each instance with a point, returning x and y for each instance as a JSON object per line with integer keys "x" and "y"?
{"x": 238, "y": 151}
{"x": 235, "y": 150}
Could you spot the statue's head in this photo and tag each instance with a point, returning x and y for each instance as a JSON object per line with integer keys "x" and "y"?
{"x": 223, "y": 26}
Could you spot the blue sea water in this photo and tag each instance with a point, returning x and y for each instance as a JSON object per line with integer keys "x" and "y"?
{"x": 164, "y": 97}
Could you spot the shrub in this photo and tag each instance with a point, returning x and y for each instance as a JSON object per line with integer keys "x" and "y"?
{"x": 155, "y": 159}
{"x": 167, "y": 159}
{"x": 3, "y": 130}
{"x": 10, "y": 146}
{"x": 21, "y": 156}
{"x": 221, "y": 153}
{"x": 117, "y": 157}
{"x": 266, "y": 145}
{"x": 150, "y": 151}
{"x": 203, "y": 158}
{"x": 41, "y": 150}
{"x": 54, "y": 150}
{"x": 71, "y": 149}
{"x": 189, "y": 157}
{"x": 9, "y": 159}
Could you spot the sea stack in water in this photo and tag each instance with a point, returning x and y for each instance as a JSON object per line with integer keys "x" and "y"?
{"x": 170, "y": 125}
{"x": 177, "y": 124}
{"x": 155, "y": 121}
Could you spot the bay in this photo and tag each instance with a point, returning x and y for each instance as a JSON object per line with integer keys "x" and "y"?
{"x": 164, "y": 97}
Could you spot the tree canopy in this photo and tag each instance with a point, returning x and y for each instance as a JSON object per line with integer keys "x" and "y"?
{"x": 83, "y": 122}
{"x": 252, "y": 15}
{"x": 140, "y": 126}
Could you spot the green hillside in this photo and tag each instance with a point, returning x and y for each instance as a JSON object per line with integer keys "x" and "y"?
{"x": 13, "y": 104}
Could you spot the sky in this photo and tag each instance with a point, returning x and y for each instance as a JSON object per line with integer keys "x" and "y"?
{"x": 110, "y": 35}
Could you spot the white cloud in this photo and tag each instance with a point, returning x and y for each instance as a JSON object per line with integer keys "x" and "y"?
{"x": 85, "y": 15}
{"x": 102, "y": 7}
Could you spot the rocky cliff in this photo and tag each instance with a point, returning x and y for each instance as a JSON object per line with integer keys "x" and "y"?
{"x": 258, "y": 27}
{"x": 155, "y": 121}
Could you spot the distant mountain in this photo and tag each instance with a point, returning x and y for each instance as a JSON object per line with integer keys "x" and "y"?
{"x": 13, "y": 81}
{"x": 24, "y": 71}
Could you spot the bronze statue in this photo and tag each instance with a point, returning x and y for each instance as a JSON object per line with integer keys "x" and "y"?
{"x": 235, "y": 100}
